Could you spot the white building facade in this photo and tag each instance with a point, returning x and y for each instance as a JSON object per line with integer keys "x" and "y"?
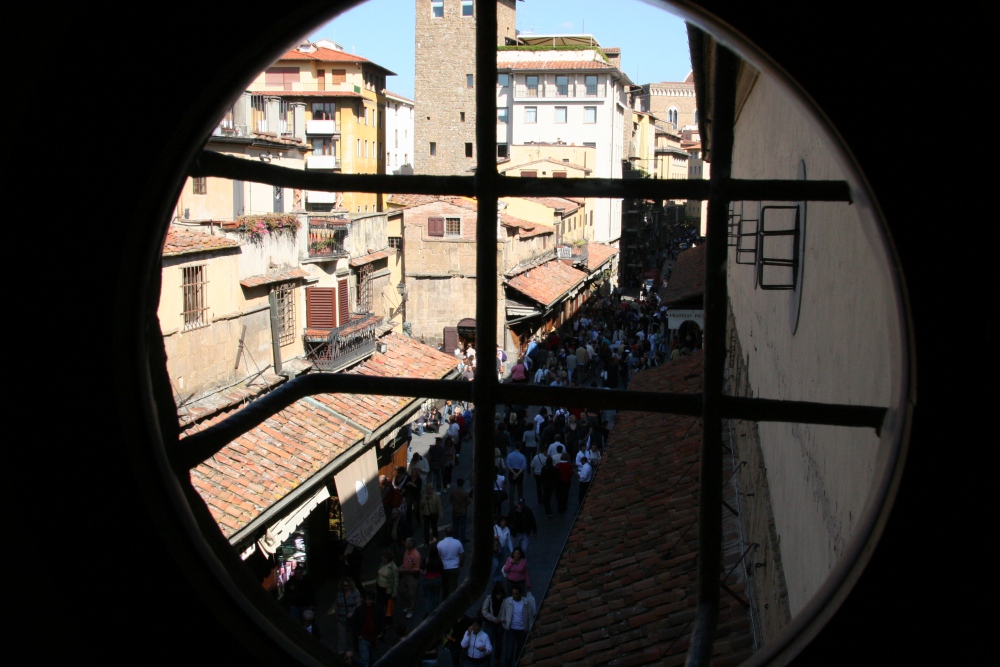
{"x": 398, "y": 134}
{"x": 566, "y": 98}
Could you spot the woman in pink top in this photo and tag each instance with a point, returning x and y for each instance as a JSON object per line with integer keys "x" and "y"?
{"x": 516, "y": 569}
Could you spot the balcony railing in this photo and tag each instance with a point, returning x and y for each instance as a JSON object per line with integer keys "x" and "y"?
{"x": 326, "y": 239}
{"x": 556, "y": 91}
{"x": 322, "y": 162}
{"x": 336, "y": 349}
{"x": 577, "y": 253}
{"x": 322, "y": 127}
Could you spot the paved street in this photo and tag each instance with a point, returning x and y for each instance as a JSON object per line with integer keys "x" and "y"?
{"x": 543, "y": 552}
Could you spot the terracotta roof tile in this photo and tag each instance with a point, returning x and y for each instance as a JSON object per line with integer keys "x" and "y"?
{"x": 367, "y": 259}
{"x": 275, "y": 276}
{"x": 310, "y": 93}
{"x": 325, "y": 55}
{"x": 183, "y": 241}
{"x": 627, "y": 575}
{"x": 554, "y": 64}
{"x": 687, "y": 278}
{"x": 568, "y": 205}
{"x": 268, "y": 462}
{"x": 549, "y": 160}
{"x": 597, "y": 254}
{"x": 547, "y": 282}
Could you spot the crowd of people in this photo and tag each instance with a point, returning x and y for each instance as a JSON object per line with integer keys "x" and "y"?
{"x": 540, "y": 453}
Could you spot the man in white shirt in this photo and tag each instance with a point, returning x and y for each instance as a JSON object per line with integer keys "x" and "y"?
{"x": 586, "y": 477}
{"x": 476, "y": 645}
{"x": 516, "y": 617}
{"x": 452, "y": 555}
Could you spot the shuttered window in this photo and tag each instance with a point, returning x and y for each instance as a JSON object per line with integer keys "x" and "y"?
{"x": 319, "y": 307}
{"x": 338, "y": 76}
{"x": 435, "y": 226}
{"x": 281, "y": 77}
{"x": 344, "y": 304}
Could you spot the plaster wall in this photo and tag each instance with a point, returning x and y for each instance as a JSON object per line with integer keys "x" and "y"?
{"x": 845, "y": 349}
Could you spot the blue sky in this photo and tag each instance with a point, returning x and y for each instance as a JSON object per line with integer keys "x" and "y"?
{"x": 653, "y": 42}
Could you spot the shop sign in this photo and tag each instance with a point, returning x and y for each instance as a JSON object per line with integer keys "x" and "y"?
{"x": 675, "y": 318}
{"x": 360, "y": 498}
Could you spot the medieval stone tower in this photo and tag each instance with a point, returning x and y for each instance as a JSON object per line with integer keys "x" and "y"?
{"x": 444, "y": 84}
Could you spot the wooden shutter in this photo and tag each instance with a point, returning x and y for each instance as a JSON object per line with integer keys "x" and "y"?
{"x": 450, "y": 339}
{"x": 558, "y": 174}
{"x": 338, "y": 76}
{"x": 529, "y": 174}
{"x": 321, "y": 79}
{"x": 319, "y": 307}
{"x": 435, "y": 226}
{"x": 344, "y": 305}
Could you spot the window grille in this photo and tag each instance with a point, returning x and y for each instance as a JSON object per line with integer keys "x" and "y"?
{"x": 365, "y": 288}
{"x": 195, "y": 303}
{"x": 712, "y": 405}
{"x": 285, "y": 294}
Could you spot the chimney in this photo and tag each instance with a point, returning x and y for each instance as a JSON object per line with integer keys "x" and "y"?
{"x": 614, "y": 55}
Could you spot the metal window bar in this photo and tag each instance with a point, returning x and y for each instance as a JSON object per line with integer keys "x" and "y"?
{"x": 746, "y": 239}
{"x": 195, "y": 303}
{"x": 782, "y": 263}
{"x": 712, "y": 405}
{"x": 285, "y": 294}
{"x": 365, "y": 288}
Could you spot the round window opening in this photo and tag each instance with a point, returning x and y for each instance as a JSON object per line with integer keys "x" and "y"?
{"x": 808, "y": 392}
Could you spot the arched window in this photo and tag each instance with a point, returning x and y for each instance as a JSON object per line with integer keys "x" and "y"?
{"x": 712, "y": 404}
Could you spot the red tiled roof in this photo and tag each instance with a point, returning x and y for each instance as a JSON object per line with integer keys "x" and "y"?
{"x": 525, "y": 228}
{"x": 182, "y": 241}
{"x": 367, "y": 259}
{"x": 547, "y": 282}
{"x": 329, "y": 56}
{"x": 597, "y": 254}
{"x": 268, "y": 462}
{"x": 547, "y": 159}
{"x": 398, "y": 96}
{"x": 687, "y": 278}
{"x": 568, "y": 205}
{"x": 276, "y": 276}
{"x": 627, "y": 575}
{"x": 554, "y": 64}
{"x": 310, "y": 93}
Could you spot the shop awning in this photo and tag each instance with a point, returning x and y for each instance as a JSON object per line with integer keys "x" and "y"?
{"x": 360, "y": 499}
{"x": 279, "y": 532}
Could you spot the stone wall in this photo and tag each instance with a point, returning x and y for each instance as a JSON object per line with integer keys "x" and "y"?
{"x": 445, "y": 55}
{"x": 767, "y": 575}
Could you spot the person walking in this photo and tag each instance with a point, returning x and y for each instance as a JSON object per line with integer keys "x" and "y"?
{"x": 433, "y": 580}
{"x": 522, "y": 524}
{"x": 430, "y": 511}
{"x": 452, "y": 558}
{"x": 387, "y": 583}
{"x": 476, "y": 645}
{"x": 516, "y": 617}
{"x": 489, "y": 614}
{"x": 537, "y": 464}
{"x": 345, "y": 604}
{"x": 564, "y": 477}
{"x": 460, "y": 502}
{"x": 409, "y": 577}
{"x": 586, "y": 475}
{"x": 516, "y": 570}
{"x": 368, "y": 623}
{"x": 549, "y": 478}
{"x": 517, "y": 465}
{"x": 435, "y": 461}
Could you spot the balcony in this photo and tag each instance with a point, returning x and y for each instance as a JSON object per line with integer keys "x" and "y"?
{"x": 334, "y": 350}
{"x": 577, "y": 253}
{"x": 327, "y": 237}
{"x": 322, "y": 162}
{"x": 555, "y": 91}
{"x": 322, "y": 127}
